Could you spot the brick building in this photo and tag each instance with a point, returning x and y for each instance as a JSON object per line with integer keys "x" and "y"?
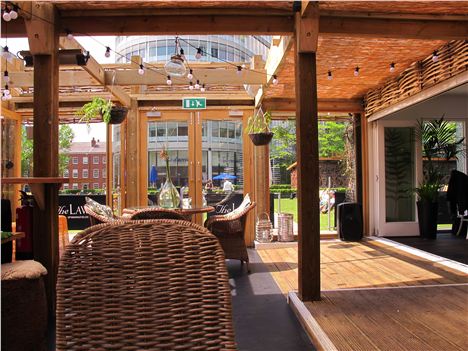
{"x": 87, "y": 166}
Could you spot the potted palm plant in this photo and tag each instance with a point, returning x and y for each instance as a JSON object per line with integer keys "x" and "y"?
{"x": 105, "y": 109}
{"x": 439, "y": 143}
{"x": 258, "y": 128}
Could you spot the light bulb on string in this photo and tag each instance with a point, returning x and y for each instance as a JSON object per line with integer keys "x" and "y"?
{"x": 6, "y": 16}
{"x": 275, "y": 79}
{"x": 202, "y": 89}
{"x": 191, "y": 86}
{"x": 239, "y": 70}
{"x": 6, "y": 77}
{"x": 7, "y": 55}
{"x": 199, "y": 54}
{"x": 392, "y": 67}
{"x": 14, "y": 12}
{"x": 141, "y": 70}
{"x": 108, "y": 52}
{"x": 169, "y": 80}
{"x": 435, "y": 56}
{"x": 197, "y": 84}
{"x": 356, "y": 72}
{"x": 182, "y": 54}
{"x": 69, "y": 35}
{"x": 329, "y": 75}
{"x": 6, "y": 91}
{"x": 190, "y": 75}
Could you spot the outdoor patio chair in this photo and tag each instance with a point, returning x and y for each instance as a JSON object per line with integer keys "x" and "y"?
{"x": 157, "y": 213}
{"x": 230, "y": 231}
{"x": 144, "y": 285}
{"x": 95, "y": 218}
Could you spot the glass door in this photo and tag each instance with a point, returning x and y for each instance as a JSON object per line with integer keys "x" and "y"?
{"x": 174, "y": 133}
{"x": 398, "y": 173}
{"x": 218, "y": 155}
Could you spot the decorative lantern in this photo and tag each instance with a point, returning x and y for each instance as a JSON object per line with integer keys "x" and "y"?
{"x": 263, "y": 229}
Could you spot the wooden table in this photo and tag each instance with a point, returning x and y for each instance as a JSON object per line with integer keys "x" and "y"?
{"x": 15, "y": 236}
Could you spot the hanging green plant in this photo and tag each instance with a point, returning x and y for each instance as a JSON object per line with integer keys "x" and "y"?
{"x": 258, "y": 128}
{"x": 105, "y": 109}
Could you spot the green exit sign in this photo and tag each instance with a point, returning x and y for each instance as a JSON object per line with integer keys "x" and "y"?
{"x": 193, "y": 103}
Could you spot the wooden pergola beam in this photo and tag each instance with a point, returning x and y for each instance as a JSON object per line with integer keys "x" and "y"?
{"x": 131, "y": 77}
{"x": 324, "y": 105}
{"x": 183, "y": 24}
{"x": 394, "y": 28}
{"x": 97, "y": 71}
{"x": 385, "y": 26}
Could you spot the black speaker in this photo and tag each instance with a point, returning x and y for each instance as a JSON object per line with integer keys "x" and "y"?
{"x": 7, "y": 248}
{"x": 350, "y": 223}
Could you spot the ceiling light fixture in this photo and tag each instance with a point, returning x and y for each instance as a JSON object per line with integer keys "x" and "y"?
{"x": 191, "y": 86}
{"x": 175, "y": 67}
{"x": 169, "y": 80}
{"x": 141, "y": 70}
{"x": 329, "y": 76}
{"x": 197, "y": 85}
{"x": 199, "y": 54}
{"x": 275, "y": 79}
{"x": 435, "y": 56}
{"x": 108, "y": 52}
{"x": 392, "y": 67}
{"x": 356, "y": 71}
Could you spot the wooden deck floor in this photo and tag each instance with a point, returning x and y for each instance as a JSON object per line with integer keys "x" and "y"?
{"x": 376, "y": 297}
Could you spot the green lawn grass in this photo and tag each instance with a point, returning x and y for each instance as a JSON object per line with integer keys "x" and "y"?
{"x": 290, "y": 206}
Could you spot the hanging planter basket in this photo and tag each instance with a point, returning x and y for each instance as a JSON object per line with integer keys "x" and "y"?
{"x": 260, "y": 139}
{"x": 118, "y": 114}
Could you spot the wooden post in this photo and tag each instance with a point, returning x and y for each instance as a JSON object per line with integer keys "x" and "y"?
{"x": 132, "y": 156}
{"x": 358, "y": 154}
{"x": 307, "y": 155}
{"x": 262, "y": 179}
{"x": 43, "y": 43}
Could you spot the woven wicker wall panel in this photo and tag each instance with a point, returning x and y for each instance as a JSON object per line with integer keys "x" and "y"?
{"x": 452, "y": 60}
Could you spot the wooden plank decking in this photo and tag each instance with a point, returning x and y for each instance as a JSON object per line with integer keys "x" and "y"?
{"x": 376, "y": 297}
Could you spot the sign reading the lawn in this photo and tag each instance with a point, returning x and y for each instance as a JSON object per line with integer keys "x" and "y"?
{"x": 194, "y": 103}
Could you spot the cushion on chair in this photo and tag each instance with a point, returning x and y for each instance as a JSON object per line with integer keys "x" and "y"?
{"x": 100, "y": 209}
{"x": 245, "y": 203}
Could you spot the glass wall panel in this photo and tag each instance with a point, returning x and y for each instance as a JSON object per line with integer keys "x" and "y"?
{"x": 399, "y": 174}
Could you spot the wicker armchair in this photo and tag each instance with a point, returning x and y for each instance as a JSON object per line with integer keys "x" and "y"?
{"x": 144, "y": 285}
{"x": 157, "y": 213}
{"x": 230, "y": 232}
{"x": 95, "y": 218}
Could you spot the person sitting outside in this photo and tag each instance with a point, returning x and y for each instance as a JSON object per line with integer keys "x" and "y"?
{"x": 209, "y": 185}
{"x": 227, "y": 186}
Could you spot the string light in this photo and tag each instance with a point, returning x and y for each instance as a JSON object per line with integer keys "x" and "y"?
{"x": 6, "y": 54}
{"x": 275, "y": 79}
{"x": 6, "y": 15}
{"x": 108, "y": 50}
{"x": 182, "y": 54}
{"x": 435, "y": 56}
{"x": 199, "y": 54}
{"x": 191, "y": 86}
{"x": 197, "y": 85}
{"x": 190, "y": 75}
{"x": 69, "y": 35}
{"x": 392, "y": 67}
{"x": 6, "y": 93}
{"x": 14, "y": 12}
{"x": 202, "y": 89}
{"x": 141, "y": 70}
{"x": 356, "y": 71}
{"x": 6, "y": 77}
{"x": 329, "y": 76}
{"x": 169, "y": 81}
{"x": 239, "y": 70}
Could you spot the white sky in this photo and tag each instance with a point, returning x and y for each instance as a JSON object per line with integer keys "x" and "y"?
{"x": 97, "y": 47}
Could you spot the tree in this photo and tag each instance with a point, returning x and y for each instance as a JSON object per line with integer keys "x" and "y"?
{"x": 331, "y": 138}
{"x": 283, "y": 146}
{"x": 66, "y": 136}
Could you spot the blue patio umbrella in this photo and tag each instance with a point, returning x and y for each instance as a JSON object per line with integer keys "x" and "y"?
{"x": 153, "y": 176}
{"x": 224, "y": 176}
